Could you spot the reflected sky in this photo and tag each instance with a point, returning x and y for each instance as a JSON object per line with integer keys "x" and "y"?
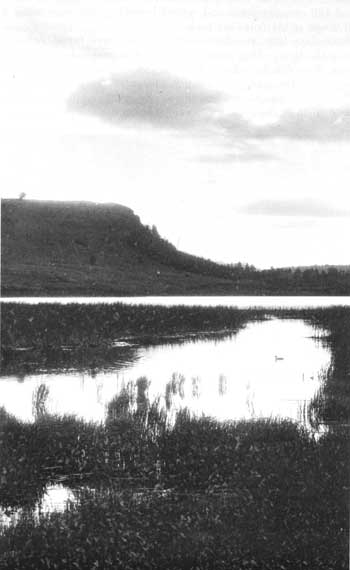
{"x": 243, "y": 302}
{"x": 269, "y": 368}
{"x": 55, "y": 498}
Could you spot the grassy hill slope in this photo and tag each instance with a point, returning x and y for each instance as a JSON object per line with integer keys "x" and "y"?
{"x": 87, "y": 249}
{"x": 75, "y": 248}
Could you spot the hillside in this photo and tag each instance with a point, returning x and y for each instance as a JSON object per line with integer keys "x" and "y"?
{"x": 82, "y": 248}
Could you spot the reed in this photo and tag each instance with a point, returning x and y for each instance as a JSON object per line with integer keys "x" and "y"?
{"x": 196, "y": 494}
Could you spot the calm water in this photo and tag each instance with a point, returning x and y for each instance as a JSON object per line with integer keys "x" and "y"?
{"x": 55, "y": 498}
{"x": 224, "y": 301}
{"x": 269, "y": 368}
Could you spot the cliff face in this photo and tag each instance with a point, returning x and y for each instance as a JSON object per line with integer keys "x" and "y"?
{"x": 81, "y": 248}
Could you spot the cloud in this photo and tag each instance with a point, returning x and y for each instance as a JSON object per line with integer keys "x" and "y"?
{"x": 162, "y": 100}
{"x": 321, "y": 126}
{"x": 302, "y": 207}
{"x": 147, "y": 97}
{"x": 318, "y": 125}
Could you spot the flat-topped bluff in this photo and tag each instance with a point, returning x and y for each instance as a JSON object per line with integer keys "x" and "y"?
{"x": 87, "y": 249}
{"x": 41, "y": 229}
{"x": 83, "y": 248}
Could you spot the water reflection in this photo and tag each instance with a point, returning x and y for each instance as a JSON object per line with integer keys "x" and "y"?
{"x": 222, "y": 385}
{"x": 55, "y": 498}
{"x": 269, "y": 368}
{"x": 244, "y": 301}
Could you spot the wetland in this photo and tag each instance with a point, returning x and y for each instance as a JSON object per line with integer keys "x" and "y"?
{"x": 137, "y": 436}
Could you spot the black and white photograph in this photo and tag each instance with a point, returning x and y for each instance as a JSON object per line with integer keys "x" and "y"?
{"x": 175, "y": 285}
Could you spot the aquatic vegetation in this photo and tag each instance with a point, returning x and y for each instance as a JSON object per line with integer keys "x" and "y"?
{"x": 49, "y": 326}
{"x": 191, "y": 493}
{"x": 199, "y": 494}
{"x": 40, "y": 397}
{"x": 95, "y": 337}
{"x": 87, "y": 337}
{"x": 332, "y": 406}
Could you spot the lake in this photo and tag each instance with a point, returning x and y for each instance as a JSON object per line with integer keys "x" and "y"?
{"x": 271, "y": 368}
{"x": 242, "y": 302}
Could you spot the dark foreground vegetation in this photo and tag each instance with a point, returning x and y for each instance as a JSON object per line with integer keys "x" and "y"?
{"x": 67, "y": 248}
{"x": 196, "y": 495}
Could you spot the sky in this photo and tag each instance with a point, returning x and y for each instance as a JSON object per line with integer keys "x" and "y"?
{"x": 225, "y": 124}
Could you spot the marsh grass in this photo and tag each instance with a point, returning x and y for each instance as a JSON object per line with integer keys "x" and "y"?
{"x": 75, "y": 324}
{"x": 196, "y": 494}
{"x": 95, "y": 337}
{"x": 84, "y": 336}
{"x": 193, "y": 494}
